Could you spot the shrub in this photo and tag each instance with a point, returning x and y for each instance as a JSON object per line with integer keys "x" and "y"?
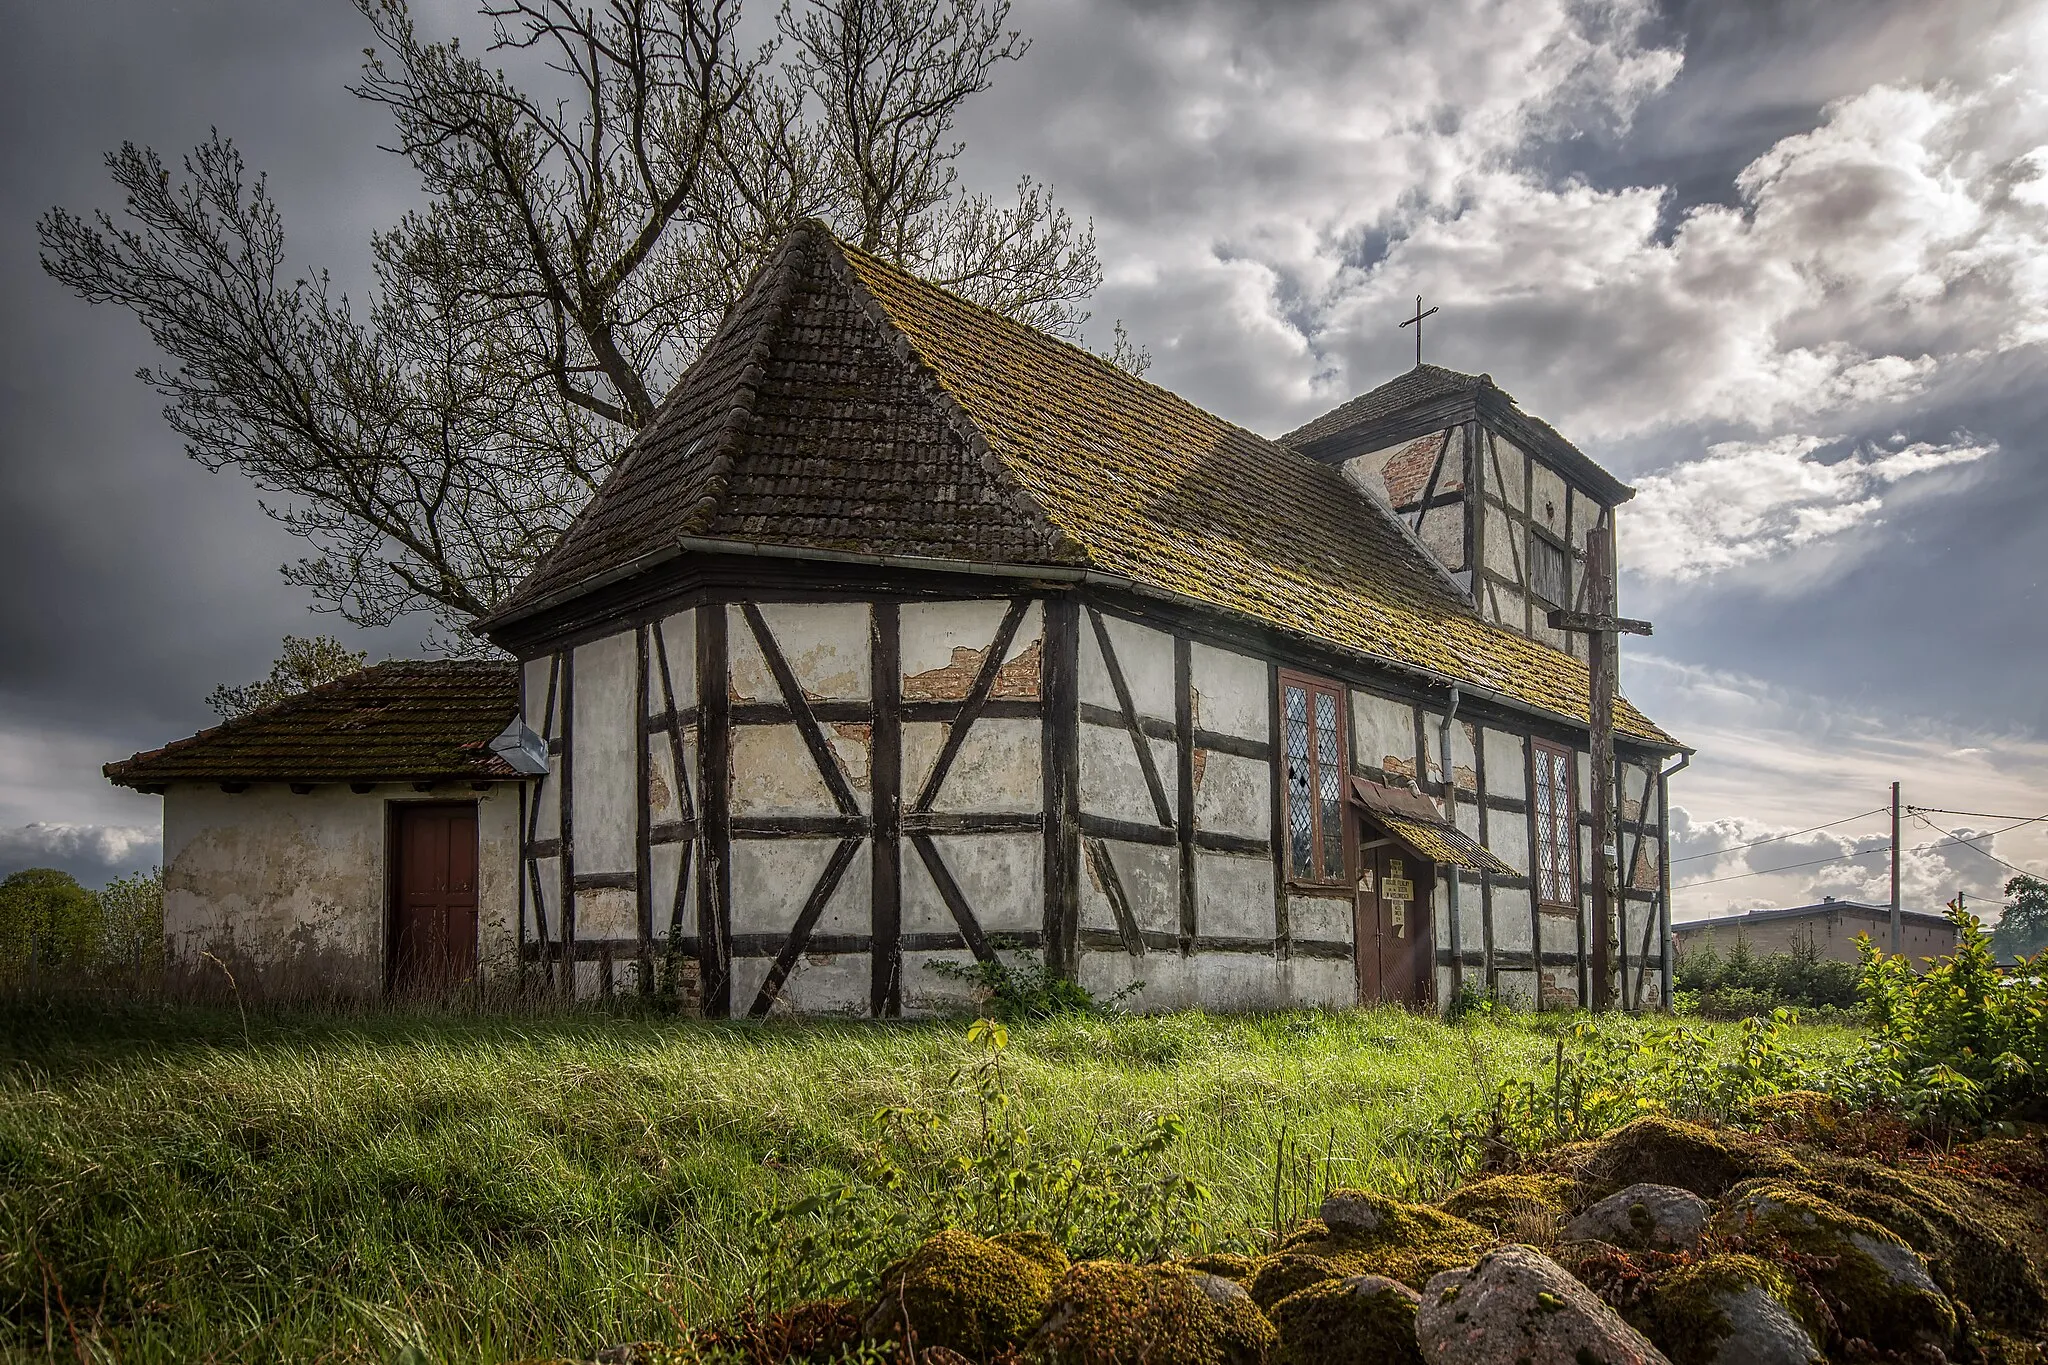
{"x": 1744, "y": 985}
{"x": 1014, "y": 992}
{"x": 1962, "y": 1042}
{"x": 48, "y": 922}
{"x": 132, "y": 923}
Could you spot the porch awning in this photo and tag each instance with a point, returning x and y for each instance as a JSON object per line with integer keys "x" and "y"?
{"x": 1415, "y": 821}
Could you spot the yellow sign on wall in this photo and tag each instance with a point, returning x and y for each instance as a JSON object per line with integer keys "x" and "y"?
{"x": 1397, "y": 889}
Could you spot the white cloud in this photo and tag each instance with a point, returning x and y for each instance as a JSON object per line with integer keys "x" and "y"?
{"x": 1750, "y": 501}
{"x": 92, "y": 853}
{"x": 1772, "y": 762}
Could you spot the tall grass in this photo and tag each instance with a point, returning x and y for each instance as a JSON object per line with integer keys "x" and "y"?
{"x": 179, "y": 1184}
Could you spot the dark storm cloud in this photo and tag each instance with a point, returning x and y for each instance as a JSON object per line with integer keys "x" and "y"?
{"x": 136, "y": 579}
{"x": 1814, "y": 228}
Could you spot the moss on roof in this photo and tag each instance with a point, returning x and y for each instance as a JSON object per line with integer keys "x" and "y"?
{"x": 403, "y": 721}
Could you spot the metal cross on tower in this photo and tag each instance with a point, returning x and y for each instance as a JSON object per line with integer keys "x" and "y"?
{"x": 1416, "y": 321}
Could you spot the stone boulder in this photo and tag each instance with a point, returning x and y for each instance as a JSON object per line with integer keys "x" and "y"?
{"x": 1733, "y": 1310}
{"x": 1285, "y": 1272}
{"x": 1519, "y": 1307}
{"x": 1362, "y": 1320}
{"x": 1645, "y": 1217}
{"x": 1878, "y": 1287}
{"x": 966, "y": 1293}
{"x": 1528, "y": 1207}
{"x": 1655, "y": 1150}
{"x": 1369, "y": 1234}
{"x": 1165, "y": 1315}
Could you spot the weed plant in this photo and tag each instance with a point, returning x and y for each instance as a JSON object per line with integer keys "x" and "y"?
{"x": 176, "y": 1183}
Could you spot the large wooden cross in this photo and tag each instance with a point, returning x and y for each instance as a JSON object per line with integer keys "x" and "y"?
{"x": 1604, "y": 630}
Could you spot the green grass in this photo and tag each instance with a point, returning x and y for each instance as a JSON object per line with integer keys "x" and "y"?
{"x": 343, "y": 1187}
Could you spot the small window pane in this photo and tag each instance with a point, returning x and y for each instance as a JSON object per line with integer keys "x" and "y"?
{"x": 1300, "y": 815}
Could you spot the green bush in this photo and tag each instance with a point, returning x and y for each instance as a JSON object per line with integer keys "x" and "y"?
{"x": 1963, "y": 1042}
{"x": 1744, "y": 985}
{"x": 48, "y": 923}
{"x": 132, "y": 924}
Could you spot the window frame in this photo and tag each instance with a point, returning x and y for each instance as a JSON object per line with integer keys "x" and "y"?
{"x": 1539, "y": 749}
{"x": 1312, "y": 685}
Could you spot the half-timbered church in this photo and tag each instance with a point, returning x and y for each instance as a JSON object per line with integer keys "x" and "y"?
{"x": 907, "y": 634}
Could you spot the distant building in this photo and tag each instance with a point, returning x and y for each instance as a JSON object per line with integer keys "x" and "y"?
{"x": 1830, "y": 926}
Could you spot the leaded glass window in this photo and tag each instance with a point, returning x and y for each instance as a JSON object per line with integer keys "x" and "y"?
{"x": 1312, "y": 721}
{"x": 1556, "y": 827}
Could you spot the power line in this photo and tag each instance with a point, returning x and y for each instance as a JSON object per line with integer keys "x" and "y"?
{"x": 1979, "y": 814}
{"x": 1778, "y": 838}
{"x": 1969, "y": 844}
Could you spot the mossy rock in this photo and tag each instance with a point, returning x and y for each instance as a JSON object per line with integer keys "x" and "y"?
{"x": 1799, "y": 1115}
{"x": 1655, "y": 1150}
{"x": 1284, "y": 1272}
{"x": 1227, "y": 1264}
{"x": 1374, "y": 1235}
{"x": 1986, "y": 1243}
{"x": 1036, "y": 1246}
{"x": 1362, "y": 1320}
{"x": 966, "y": 1293}
{"x": 1102, "y": 1312}
{"x": 1516, "y": 1208}
{"x": 1732, "y": 1307}
{"x": 1877, "y": 1286}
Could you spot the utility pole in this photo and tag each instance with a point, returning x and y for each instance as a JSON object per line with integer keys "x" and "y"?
{"x": 1604, "y": 630}
{"x": 1895, "y": 869}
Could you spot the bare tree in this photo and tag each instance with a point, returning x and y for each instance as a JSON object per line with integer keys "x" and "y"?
{"x": 585, "y": 230}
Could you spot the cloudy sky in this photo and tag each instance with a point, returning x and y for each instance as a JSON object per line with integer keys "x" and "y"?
{"x": 1779, "y": 263}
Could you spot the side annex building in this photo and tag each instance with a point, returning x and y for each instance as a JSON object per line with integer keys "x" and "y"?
{"x": 907, "y": 633}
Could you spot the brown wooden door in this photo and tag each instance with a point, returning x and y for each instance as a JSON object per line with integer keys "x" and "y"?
{"x": 1393, "y": 927}
{"x": 434, "y": 914}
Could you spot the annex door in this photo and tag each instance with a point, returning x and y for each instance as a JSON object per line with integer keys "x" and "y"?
{"x": 433, "y": 941}
{"x": 1392, "y": 924}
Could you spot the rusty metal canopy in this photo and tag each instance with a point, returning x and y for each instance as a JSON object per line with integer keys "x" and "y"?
{"x": 1414, "y": 820}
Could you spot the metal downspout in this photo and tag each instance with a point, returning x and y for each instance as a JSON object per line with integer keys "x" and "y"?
{"x": 1443, "y": 731}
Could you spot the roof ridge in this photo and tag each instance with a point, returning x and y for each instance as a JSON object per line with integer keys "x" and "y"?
{"x": 1067, "y": 547}
{"x": 1102, "y": 362}
{"x": 779, "y": 278}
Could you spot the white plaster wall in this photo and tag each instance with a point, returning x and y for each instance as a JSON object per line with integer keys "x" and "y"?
{"x": 1508, "y": 460}
{"x": 772, "y": 878}
{"x": 1232, "y": 692}
{"x": 1383, "y": 733}
{"x": 1547, "y": 501}
{"x": 1443, "y": 534}
{"x": 1326, "y": 919}
{"x": 1516, "y": 986}
{"x": 826, "y": 645}
{"x": 1150, "y": 877}
{"x": 1233, "y": 896}
{"x": 1233, "y": 794}
{"x": 1508, "y": 838}
{"x": 1503, "y": 555}
{"x": 1112, "y": 783}
{"x": 607, "y": 912}
{"x": 665, "y": 862}
{"x": 819, "y": 983}
{"x": 935, "y": 636}
{"x": 926, "y": 992}
{"x": 293, "y": 892}
{"x": 676, "y": 636}
{"x": 601, "y": 748}
{"x": 1511, "y": 907}
{"x": 1145, "y": 657}
{"x": 773, "y": 773}
{"x": 1507, "y": 765}
{"x": 1319, "y": 982}
{"x": 1001, "y": 876}
{"x": 998, "y": 767}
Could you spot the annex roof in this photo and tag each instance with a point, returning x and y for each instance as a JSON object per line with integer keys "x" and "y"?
{"x": 1432, "y": 397}
{"x": 403, "y": 721}
{"x": 849, "y": 406}
{"x": 1858, "y": 909}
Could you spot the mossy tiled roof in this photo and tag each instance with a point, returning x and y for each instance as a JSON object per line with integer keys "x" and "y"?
{"x": 850, "y": 405}
{"x": 404, "y": 721}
